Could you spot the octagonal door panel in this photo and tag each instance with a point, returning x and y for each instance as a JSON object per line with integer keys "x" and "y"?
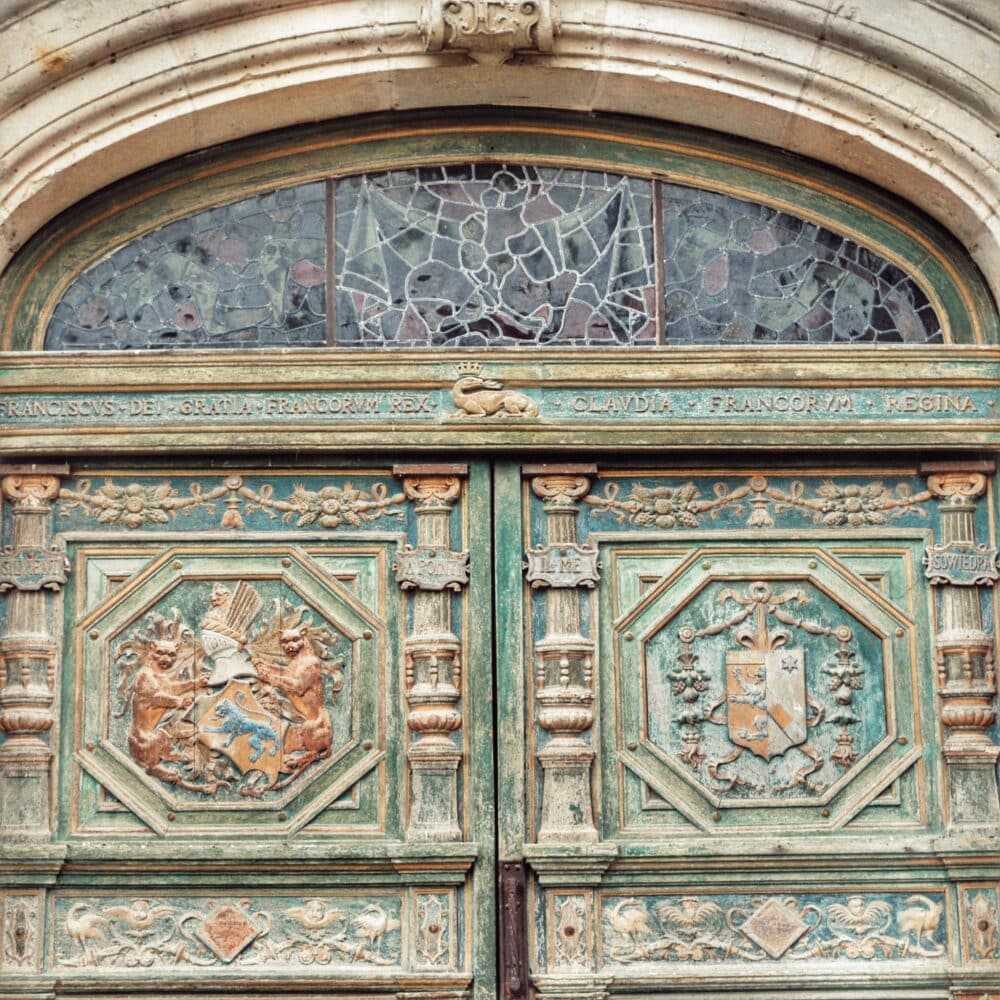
{"x": 733, "y": 772}
{"x": 270, "y": 768}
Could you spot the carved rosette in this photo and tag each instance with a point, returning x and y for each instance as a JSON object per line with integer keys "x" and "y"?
{"x": 966, "y": 678}
{"x": 431, "y": 573}
{"x": 564, "y": 693}
{"x": 28, "y": 656}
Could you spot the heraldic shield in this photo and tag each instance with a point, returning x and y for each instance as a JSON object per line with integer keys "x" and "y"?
{"x": 234, "y": 722}
{"x": 766, "y": 699}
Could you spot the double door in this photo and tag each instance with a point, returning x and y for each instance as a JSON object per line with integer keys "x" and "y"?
{"x": 479, "y": 729}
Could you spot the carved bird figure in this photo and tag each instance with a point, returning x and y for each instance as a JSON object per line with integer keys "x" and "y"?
{"x": 690, "y": 919}
{"x": 85, "y": 928}
{"x": 630, "y": 918}
{"x": 140, "y": 916}
{"x": 921, "y": 920}
{"x": 315, "y": 915}
{"x": 372, "y": 924}
{"x": 859, "y": 917}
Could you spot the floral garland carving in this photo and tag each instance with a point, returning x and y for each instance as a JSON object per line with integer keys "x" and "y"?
{"x": 137, "y": 505}
{"x": 832, "y": 505}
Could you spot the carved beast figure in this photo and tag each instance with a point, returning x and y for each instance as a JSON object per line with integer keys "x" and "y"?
{"x": 476, "y": 396}
{"x": 234, "y": 722}
{"x": 157, "y": 690}
{"x": 302, "y": 681}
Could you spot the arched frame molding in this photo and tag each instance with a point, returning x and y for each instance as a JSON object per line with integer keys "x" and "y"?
{"x": 31, "y": 288}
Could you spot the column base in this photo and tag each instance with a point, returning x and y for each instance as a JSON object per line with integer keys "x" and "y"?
{"x": 567, "y": 810}
{"x": 973, "y": 795}
{"x": 433, "y": 793}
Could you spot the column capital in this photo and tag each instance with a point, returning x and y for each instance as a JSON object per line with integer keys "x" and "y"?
{"x": 560, "y": 486}
{"x": 432, "y": 487}
{"x": 31, "y": 487}
{"x": 957, "y": 482}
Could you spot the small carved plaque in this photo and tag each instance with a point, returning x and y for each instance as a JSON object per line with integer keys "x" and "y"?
{"x": 31, "y": 567}
{"x": 427, "y": 567}
{"x": 490, "y": 31}
{"x": 775, "y": 927}
{"x": 961, "y": 564}
{"x": 566, "y": 565}
{"x": 227, "y": 932}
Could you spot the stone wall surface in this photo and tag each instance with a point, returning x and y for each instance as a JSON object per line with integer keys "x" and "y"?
{"x": 903, "y": 94}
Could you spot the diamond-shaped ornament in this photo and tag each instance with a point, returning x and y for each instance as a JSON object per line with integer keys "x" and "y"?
{"x": 227, "y": 932}
{"x": 775, "y": 927}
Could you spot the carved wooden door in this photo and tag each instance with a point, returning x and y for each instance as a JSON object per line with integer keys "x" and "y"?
{"x": 754, "y": 713}
{"x": 274, "y": 766}
{"x": 732, "y": 724}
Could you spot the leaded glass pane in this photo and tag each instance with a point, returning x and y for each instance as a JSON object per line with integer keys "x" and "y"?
{"x": 251, "y": 273}
{"x": 494, "y": 254}
{"x": 738, "y": 272}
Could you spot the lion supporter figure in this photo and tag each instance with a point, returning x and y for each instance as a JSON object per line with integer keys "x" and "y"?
{"x": 302, "y": 681}
{"x": 156, "y": 691}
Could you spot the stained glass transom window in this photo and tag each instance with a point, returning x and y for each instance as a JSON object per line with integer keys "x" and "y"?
{"x": 490, "y": 254}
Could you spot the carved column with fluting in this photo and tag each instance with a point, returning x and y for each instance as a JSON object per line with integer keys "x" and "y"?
{"x": 564, "y": 692}
{"x": 433, "y": 682}
{"x": 962, "y": 569}
{"x": 31, "y": 568}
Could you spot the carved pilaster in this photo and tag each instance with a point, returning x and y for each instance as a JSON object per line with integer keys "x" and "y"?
{"x": 564, "y": 693}
{"x": 32, "y": 569}
{"x": 966, "y": 679}
{"x": 433, "y": 681}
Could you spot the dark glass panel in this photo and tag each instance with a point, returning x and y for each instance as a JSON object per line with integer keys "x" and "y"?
{"x": 247, "y": 274}
{"x": 742, "y": 273}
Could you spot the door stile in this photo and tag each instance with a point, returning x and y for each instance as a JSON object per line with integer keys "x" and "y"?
{"x": 480, "y": 796}
{"x": 508, "y": 550}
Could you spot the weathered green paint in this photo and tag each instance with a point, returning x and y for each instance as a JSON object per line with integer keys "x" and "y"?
{"x": 513, "y": 669}
{"x": 852, "y": 876}
{"x": 305, "y": 400}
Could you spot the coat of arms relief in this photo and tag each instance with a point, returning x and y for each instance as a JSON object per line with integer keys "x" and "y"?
{"x": 771, "y": 699}
{"x": 236, "y": 706}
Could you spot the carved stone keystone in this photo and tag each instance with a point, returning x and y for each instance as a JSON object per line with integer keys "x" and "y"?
{"x": 28, "y": 652}
{"x": 433, "y": 682}
{"x": 489, "y": 31}
{"x": 966, "y": 676}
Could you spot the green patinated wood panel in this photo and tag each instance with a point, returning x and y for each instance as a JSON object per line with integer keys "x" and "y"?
{"x": 240, "y": 716}
{"x": 743, "y": 712}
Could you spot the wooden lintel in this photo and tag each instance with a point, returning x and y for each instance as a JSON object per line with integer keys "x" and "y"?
{"x": 559, "y": 469}
{"x": 986, "y": 465}
{"x": 34, "y": 469}
{"x": 431, "y": 469}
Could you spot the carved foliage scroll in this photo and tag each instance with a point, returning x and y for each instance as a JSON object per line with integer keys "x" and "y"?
{"x": 806, "y": 927}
